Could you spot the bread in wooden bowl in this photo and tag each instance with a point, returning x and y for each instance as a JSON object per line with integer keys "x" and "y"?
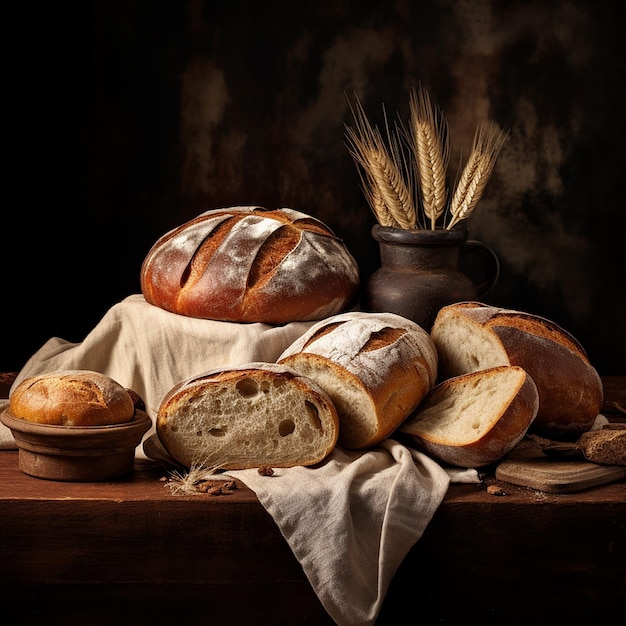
{"x": 250, "y": 264}
{"x": 75, "y": 425}
{"x": 73, "y": 398}
{"x": 474, "y": 419}
{"x": 471, "y": 336}
{"x": 253, "y": 415}
{"x": 376, "y": 368}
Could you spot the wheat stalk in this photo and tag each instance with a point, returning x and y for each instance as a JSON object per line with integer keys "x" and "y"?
{"x": 389, "y": 180}
{"x": 488, "y": 141}
{"x": 429, "y": 138}
{"x": 185, "y": 482}
{"x": 376, "y": 201}
{"x": 381, "y": 170}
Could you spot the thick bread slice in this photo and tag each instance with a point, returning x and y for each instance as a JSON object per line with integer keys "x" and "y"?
{"x": 474, "y": 419}
{"x": 471, "y": 336}
{"x": 247, "y": 416}
{"x": 376, "y": 368}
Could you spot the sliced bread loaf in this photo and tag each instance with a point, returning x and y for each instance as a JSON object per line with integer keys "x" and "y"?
{"x": 471, "y": 336}
{"x": 474, "y": 419}
{"x": 376, "y": 368}
{"x": 259, "y": 414}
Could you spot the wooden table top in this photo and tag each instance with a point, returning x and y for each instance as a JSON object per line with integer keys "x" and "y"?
{"x": 95, "y": 552}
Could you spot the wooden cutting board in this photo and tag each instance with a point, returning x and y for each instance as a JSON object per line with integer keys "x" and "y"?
{"x": 528, "y": 466}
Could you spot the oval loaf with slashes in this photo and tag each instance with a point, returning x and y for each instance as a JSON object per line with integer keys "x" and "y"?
{"x": 376, "y": 368}
{"x": 250, "y": 264}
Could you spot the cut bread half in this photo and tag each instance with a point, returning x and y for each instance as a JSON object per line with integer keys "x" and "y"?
{"x": 259, "y": 414}
{"x": 375, "y": 367}
{"x": 472, "y": 336}
{"x": 474, "y": 419}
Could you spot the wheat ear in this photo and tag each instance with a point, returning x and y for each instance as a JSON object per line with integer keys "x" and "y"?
{"x": 185, "y": 482}
{"x": 488, "y": 141}
{"x": 429, "y": 137}
{"x": 381, "y": 172}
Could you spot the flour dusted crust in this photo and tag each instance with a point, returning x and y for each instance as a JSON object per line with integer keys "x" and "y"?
{"x": 472, "y": 336}
{"x": 376, "y": 368}
{"x": 252, "y": 415}
{"x": 250, "y": 264}
{"x": 474, "y": 419}
{"x": 72, "y": 398}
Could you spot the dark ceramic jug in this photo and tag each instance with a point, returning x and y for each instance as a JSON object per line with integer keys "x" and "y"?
{"x": 421, "y": 272}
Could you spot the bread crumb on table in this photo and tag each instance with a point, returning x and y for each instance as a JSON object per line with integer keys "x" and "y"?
{"x": 496, "y": 490}
{"x": 219, "y": 488}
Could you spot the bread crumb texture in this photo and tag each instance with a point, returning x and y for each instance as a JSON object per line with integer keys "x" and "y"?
{"x": 461, "y": 411}
{"x": 475, "y": 419}
{"x": 463, "y": 347}
{"x": 248, "y": 418}
{"x": 472, "y": 336}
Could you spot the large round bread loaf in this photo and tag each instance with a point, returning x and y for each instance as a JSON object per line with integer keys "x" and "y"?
{"x": 250, "y": 264}
{"x": 471, "y": 336}
{"x": 253, "y": 415}
{"x": 474, "y": 419}
{"x": 376, "y": 368}
{"x": 72, "y": 398}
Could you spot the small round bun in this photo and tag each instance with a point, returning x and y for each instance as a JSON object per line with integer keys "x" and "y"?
{"x": 250, "y": 264}
{"x": 72, "y": 398}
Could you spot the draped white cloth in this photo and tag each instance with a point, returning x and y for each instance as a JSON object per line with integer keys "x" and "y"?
{"x": 350, "y": 520}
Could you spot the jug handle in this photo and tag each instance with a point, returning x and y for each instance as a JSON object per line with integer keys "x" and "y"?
{"x": 491, "y": 265}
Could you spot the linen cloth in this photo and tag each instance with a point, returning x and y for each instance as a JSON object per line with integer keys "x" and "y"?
{"x": 349, "y": 520}
{"x": 149, "y": 350}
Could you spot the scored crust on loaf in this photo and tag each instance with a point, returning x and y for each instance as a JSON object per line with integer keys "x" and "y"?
{"x": 475, "y": 419}
{"x": 250, "y": 264}
{"x": 72, "y": 398}
{"x": 376, "y": 368}
{"x": 472, "y": 336}
{"x": 247, "y": 416}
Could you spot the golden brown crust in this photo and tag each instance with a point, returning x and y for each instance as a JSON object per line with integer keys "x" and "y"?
{"x": 570, "y": 389}
{"x": 491, "y": 316}
{"x": 376, "y": 367}
{"x": 248, "y": 264}
{"x": 72, "y": 398}
{"x": 509, "y": 427}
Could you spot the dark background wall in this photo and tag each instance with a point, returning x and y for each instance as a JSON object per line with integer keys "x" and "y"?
{"x": 129, "y": 118}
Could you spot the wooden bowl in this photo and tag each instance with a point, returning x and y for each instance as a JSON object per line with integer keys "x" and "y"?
{"x": 77, "y": 453}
